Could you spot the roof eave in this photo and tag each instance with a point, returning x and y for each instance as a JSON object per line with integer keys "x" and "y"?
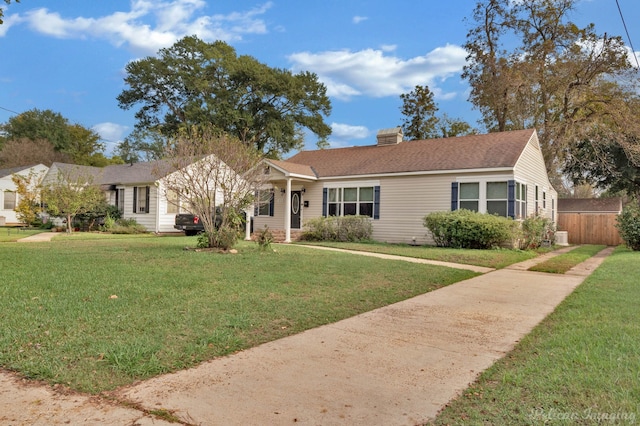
{"x": 420, "y": 172}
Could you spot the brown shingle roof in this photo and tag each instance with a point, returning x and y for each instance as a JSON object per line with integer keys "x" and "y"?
{"x": 589, "y": 205}
{"x": 119, "y": 174}
{"x": 493, "y": 150}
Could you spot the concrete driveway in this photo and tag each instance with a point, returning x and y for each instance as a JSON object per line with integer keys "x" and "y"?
{"x": 398, "y": 365}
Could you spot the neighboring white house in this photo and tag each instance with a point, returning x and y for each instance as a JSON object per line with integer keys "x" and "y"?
{"x": 137, "y": 189}
{"x": 8, "y": 197}
{"x": 397, "y": 183}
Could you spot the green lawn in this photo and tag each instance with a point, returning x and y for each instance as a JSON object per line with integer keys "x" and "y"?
{"x": 562, "y": 263}
{"x": 12, "y": 234}
{"x": 581, "y": 365}
{"x": 96, "y": 312}
{"x": 498, "y": 258}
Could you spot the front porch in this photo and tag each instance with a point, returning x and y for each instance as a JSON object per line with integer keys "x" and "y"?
{"x": 289, "y": 187}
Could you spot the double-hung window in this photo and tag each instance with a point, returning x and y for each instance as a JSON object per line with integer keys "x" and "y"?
{"x": 506, "y": 198}
{"x": 173, "y": 202}
{"x": 356, "y": 201}
{"x": 140, "y": 199}
{"x": 120, "y": 199}
{"x": 497, "y": 198}
{"x": 470, "y": 196}
{"x": 352, "y": 201}
{"x": 9, "y": 200}
{"x": 265, "y": 203}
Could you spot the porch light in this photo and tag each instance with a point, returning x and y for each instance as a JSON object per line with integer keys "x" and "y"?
{"x": 303, "y": 190}
{"x": 282, "y": 190}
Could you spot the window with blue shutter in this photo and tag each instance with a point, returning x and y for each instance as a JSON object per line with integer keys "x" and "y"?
{"x": 135, "y": 199}
{"x": 325, "y": 196}
{"x": 272, "y": 201}
{"x": 376, "y": 202}
{"x": 454, "y": 196}
{"x": 511, "y": 199}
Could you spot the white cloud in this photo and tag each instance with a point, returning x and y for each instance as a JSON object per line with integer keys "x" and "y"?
{"x": 110, "y": 132}
{"x": 8, "y": 22}
{"x": 343, "y": 134}
{"x": 151, "y": 25}
{"x": 358, "y": 19}
{"x": 373, "y": 73}
{"x": 347, "y": 131}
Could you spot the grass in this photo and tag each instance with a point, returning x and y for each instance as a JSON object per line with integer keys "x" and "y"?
{"x": 562, "y": 263}
{"x": 498, "y": 258}
{"x": 12, "y": 234}
{"x": 581, "y": 365}
{"x": 96, "y": 312}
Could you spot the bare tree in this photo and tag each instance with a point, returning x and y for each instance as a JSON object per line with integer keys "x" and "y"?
{"x": 24, "y": 152}
{"x": 209, "y": 173}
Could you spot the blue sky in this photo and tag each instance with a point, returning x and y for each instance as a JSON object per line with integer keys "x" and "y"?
{"x": 69, "y": 56}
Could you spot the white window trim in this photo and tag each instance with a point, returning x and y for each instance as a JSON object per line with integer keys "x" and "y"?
{"x": 482, "y": 181}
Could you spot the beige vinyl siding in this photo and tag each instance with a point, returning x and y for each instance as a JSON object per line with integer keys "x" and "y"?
{"x": 405, "y": 201}
{"x": 277, "y": 220}
{"x": 530, "y": 169}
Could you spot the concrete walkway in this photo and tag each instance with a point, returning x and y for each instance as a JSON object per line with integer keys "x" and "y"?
{"x": 38, "y": 238}
{"x": 398, "y": 365}
{"x": 474, "y": 268}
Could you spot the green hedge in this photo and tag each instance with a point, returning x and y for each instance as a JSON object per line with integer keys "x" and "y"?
{"x": 469, "y": 229}
{"x": 628, "y": 224}
{"x": 347, "y": 228}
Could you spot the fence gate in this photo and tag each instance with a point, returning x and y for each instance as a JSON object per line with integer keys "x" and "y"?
{"x": 590, "y": 228}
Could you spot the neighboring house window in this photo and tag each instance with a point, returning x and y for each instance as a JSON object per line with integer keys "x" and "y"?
{"x": 173, "y": 202}
{"x": 497, "y": 198}
{"x": 470, "y": 196}
{"x": 537, "y": 198}
{"x": 265, "y": 203}
{"x": 544, "y": 199}
{"x": 141, "y": 199}
{"x": 354, "y": 201}
{"x": 521, "y": 200}
{"x": 9, "y": 200}
{"x": 120, "y": 199}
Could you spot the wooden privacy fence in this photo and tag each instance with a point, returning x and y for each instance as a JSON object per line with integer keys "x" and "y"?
{"x": 590, "y": 228}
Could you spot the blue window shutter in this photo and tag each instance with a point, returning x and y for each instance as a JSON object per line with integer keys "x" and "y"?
{"x": 376, "y": 202}
{"x": 454, "y": 196}
{"x": 146, "y": 204}
{"x": 256, "y": 204}
{"x": 325, "y": 198}
{"x": 271, "y": 204}
{"x": 135, "y": 198}
{"x": 511, "y": 199}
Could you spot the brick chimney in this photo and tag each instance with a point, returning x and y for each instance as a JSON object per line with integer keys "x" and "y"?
{"x": 391, "y": 136}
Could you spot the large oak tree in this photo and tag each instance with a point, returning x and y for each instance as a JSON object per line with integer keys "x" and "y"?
{"x": 530, "y": 66}
{"x": 46, "y": 129}
{"x": 198, "y": 83}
